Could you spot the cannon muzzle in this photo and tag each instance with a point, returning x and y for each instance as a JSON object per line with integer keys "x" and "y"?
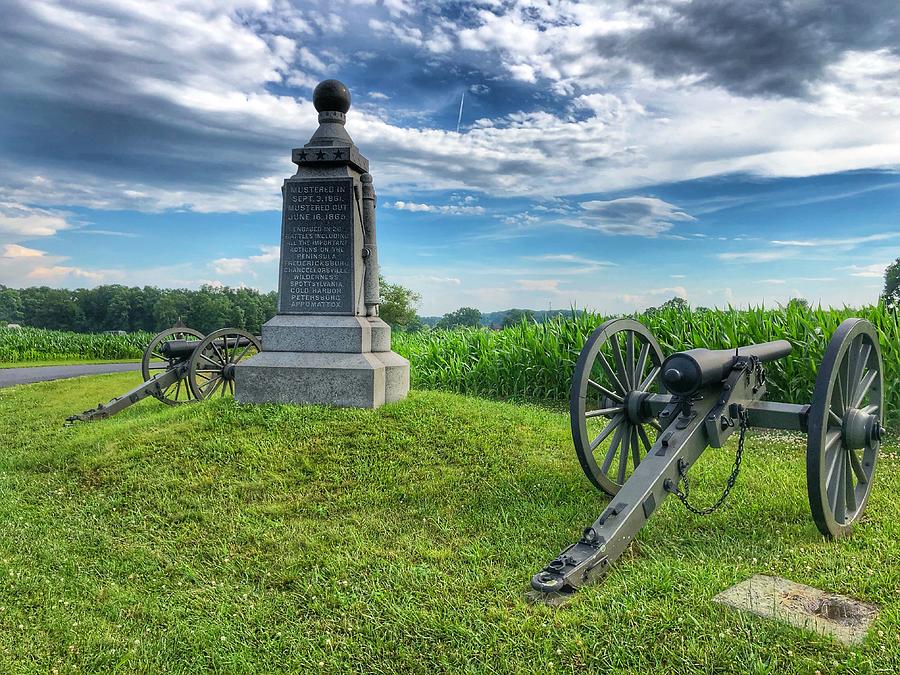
{"x": 686, "y": 373}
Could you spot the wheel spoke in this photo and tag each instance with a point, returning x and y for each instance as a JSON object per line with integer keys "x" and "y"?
{"x": 836, "y": 497}
{"x": 238, "y": 358}
{"x": 611, "y": 451}
{"x": 645, "y": 438}
{"x": 607, "y": 430}
{"x": 863, "y": 388}
{"x": 832, "y": 451}
{"x": 606, "y": 392}
{"x": 844, "y": 377}
{"x": 223, "y": 360}
{"x": 212, "y": 392}
{"x": 629, "y": 358}
{"x": 859, "y": 358}
{"x": 849, "y": 488}
{"x": 635, "y": 450}
{"x": 857, "y": 468}
{"x": 649, "y": 379}
{"x": 215, "y": 363}
{"x": 870, "y": 409}
{"x": 600, "y": 412}
{"x": 215, "y": 382}
{"x": 177, "y": 389}
{"x": 623, "y": 457}
{"x": 617, "y": 357}
{"x": 834, "y": 418}
{"x": 611, "y": 374}
{"x": 837, "y": 398}
{"x": 655, "y": 425}
{"x": 641, "y": 363}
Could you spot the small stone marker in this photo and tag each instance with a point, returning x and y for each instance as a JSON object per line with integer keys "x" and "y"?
{"x": 845, "y": 619}
{"x": 327, "y": 345}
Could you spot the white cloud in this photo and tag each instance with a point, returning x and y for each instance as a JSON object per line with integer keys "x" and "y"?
{"x": 444, "y": 209}
{"x": 843, "y": 242}
{"x": 24, "y": 266}
{"x": 875, "y": 270}
{"x": 19, "y": 220}
{"x": 545, "y": 285}
{"x": 653, "y": 296}
{"x": 210, "y": 78}
{"x": 642, "y": 216}
{"x": 16, "y": 251}
{"x": 822, "y": 248}
{"x": 233, "y": 266}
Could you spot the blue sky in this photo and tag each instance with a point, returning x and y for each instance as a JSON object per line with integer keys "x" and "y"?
{"x": 609, "y": 155}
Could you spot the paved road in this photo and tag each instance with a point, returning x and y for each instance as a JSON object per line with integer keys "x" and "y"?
{"x": 12, "y": 376}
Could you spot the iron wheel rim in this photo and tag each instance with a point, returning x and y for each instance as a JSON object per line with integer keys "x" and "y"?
{"x": 179, "y": 392}
{"x": 634, "y": 366}
{"x": 850, "y": 380}
{"x": 215, "y": 357}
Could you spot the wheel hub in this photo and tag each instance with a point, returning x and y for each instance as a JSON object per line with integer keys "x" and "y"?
{"x": 228, "y": 371}
{"x": 634, "y": 407}
{"x": 860, "y": 429}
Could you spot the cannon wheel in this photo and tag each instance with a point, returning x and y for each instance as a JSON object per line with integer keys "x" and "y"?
{"x": 211, "y": 367}
{"x": 154, "y": 361}
{"x": 844, "y": 431}
{"x": 621, "y": 358}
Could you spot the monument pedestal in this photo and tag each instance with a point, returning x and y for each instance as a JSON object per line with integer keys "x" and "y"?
{"x": 327, "y": 345}
{"x": 343, "y": 361}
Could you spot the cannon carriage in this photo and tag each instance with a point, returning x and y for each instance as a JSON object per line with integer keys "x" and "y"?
{"x": 640, "y": 421}
{"x": 181, "y": 365}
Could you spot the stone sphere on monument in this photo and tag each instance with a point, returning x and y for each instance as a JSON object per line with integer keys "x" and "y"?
{"x": 331, "y": 95}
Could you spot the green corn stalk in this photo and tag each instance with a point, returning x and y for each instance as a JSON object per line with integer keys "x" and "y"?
{"x": 535, "y": 361}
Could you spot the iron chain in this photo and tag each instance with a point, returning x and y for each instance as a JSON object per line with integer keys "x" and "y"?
{"x": 682, "y": 472}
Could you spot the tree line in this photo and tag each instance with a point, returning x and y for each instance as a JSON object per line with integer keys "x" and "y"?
{"x": 115, "y": 307}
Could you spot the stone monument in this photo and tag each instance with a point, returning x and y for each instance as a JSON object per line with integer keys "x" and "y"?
{"x": 327, "y": 345}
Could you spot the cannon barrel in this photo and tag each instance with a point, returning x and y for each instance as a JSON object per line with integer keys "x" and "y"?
{"x": 178, "y": 349}
{"x": 182, "y": 349}
{"x": 688, "y": 372}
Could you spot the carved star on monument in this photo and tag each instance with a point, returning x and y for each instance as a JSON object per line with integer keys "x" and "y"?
{"x": 338, "y": 154}
{"x": 302, "y": 154}
{"x": 320, "y": 155}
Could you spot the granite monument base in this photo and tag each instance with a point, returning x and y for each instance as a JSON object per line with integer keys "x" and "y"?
{"x": 328, "y": 360}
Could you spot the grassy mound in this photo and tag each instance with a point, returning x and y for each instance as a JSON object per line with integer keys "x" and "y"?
{"x": 283, "y": 538}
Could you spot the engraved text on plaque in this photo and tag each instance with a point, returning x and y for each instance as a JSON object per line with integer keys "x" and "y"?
{"x": 317, "y": 247}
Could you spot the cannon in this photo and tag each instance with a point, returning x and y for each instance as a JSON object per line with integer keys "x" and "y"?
{"x": 639, "y": 422}
{"x": 181, "y": 365}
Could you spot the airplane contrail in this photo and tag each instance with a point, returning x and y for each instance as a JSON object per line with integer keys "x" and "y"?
{"x": 459, "y": 119}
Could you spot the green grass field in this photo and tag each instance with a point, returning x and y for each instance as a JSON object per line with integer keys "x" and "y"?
{"x": 277, "y": 538}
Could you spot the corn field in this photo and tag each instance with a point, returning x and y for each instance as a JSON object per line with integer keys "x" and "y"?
{"x": 535, "y": 361}
{"x": 40, "y": 344}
